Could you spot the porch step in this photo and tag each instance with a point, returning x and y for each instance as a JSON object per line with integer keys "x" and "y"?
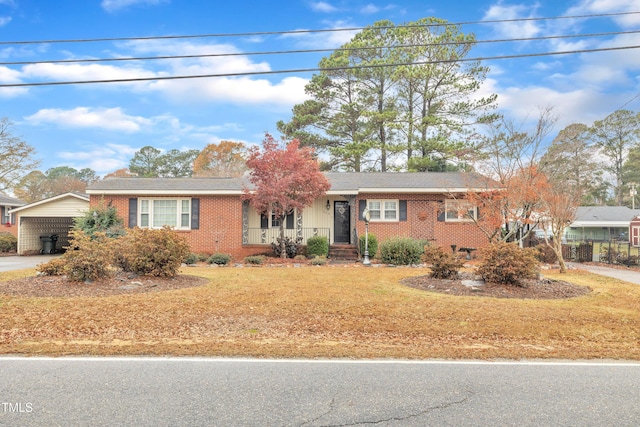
{"x": 343, "y": 252}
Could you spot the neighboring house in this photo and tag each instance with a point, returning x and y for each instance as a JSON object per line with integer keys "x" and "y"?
{"x": 8, "y": 220}
{"x": 601, "y": 223}
{"x": 212, "y": 216}
{"x": 48, "y": 217}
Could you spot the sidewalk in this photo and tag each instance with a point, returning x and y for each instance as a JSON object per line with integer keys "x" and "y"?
{"x": 626, "y": 274}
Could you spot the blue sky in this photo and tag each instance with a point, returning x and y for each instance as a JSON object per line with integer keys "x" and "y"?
{"x": 101, "y": 126}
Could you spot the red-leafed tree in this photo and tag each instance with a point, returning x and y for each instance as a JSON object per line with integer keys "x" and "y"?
{"x": 285, "y": 177}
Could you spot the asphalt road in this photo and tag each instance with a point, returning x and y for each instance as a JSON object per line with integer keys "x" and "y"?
{"x": 234, "y": 392}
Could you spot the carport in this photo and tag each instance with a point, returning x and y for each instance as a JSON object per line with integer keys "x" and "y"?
{"x": 48, "y": 217}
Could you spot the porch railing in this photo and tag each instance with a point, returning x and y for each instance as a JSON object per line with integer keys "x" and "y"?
{"x": 265, "y": 236}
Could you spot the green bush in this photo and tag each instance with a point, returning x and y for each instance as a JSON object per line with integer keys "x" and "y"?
{"x": 191, "y": 259}
{"x": 444, "y": 264}
{"x": 151, "y": 252}
{"x": 507, "y": 263}
{"x": 401, "y": 251}
{"x": 317, "y": 246}
{"x": 373, "y": 245}
{"x": 219, "y": 259}
{"x": 101, "y": 219}
{"x": 8, "y": 242}
{"x": 87, "y": 258}
{"x": 254, "y": 259}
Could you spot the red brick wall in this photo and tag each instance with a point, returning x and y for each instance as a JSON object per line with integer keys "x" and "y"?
{"x": 422, "y": 222}
{"x": 220, "y": 224}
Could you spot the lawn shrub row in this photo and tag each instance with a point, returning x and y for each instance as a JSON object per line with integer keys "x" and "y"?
{"x": 141, "y": 251}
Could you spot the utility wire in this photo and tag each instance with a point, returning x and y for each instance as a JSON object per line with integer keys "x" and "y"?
{"x": 307, "y": 70}
{"x": 281, "y": 52}
{"x": 288, "y": 32}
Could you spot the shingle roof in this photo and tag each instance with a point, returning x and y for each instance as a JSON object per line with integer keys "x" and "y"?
{"x": 604, "y": 215}
{"x": 341, "y": 182}
{"x": 10, "y": 201}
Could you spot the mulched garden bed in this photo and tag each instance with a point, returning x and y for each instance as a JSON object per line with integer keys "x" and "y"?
{"x": 530, "y": 289}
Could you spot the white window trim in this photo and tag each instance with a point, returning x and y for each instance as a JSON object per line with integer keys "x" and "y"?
{"x": 451, "y": 204}
{"x": 382, "y": 211}
{"x": 179, "y": 213}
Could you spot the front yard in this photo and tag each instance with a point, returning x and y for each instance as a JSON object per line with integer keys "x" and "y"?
{"x": 328, "y": 311}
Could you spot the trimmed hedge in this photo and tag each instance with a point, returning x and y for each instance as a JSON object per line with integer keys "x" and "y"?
{"x": 401, "y": 251}
{"x": 317, "y": 246}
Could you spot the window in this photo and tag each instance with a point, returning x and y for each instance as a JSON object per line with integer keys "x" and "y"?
{"x": 383, "y": 210}
{"x": 7, "y": 216}
{"x": 460, "y": 210}
{"x": 272, "y": 221}
{"x": 157, "y": 213}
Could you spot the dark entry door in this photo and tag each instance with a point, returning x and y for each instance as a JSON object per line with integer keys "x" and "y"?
{"x": 341, "y": 222}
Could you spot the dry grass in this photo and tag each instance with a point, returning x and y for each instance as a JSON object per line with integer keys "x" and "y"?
{"x": 342, "y": 312}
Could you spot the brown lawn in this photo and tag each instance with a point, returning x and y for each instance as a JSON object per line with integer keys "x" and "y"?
{"x": 325, "y": 312}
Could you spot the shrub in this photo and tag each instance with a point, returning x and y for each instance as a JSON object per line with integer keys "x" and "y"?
{"x": 254, "y": 259}
{"x": 191, "y": 259}
{"x": 87, "y": 258}
{"x": 317, "y": 246}
{"x": 319, "y": 260}
{"x": 444, "y": 264}
{"x": 291, "y": 246}
{"x": 101, "y": 219}
{"x": 55, "y": 267}
{"x": 545, "y": 254}
{"x": 151, "y": 252}
{"x": 507, "y": 263}
{"x": 219, "y": 259}
{"x": 8, "y": 242}
{"x": 373, "y": 245}
{"x": 401, "y": 251}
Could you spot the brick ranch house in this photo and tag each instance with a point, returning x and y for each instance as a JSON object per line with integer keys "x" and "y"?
{"x": 212, "y": 216}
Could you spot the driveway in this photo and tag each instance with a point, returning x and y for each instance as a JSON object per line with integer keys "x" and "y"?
{"x": 9, "y": 263}
{"x": 626, "y": 274}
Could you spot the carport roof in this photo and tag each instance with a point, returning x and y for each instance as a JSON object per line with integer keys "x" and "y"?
{"x": 81, "y": 196}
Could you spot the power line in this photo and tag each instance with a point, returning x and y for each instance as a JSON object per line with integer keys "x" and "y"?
{"x": 308, "y": 70}
{"x": 281, "y": 52}
{"x": 289, "y": 32}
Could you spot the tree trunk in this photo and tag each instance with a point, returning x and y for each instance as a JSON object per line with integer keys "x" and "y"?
{"x": 283, "y": 246}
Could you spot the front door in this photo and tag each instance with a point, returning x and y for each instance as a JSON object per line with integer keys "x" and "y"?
{"x": 341, "y": 222}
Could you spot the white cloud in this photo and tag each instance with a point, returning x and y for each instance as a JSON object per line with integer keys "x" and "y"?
{"x": 112, "y": 119}
{"x": 4, "y": 20}
{"x": 113, "y": 5}
{"x": 104, "y": 159}
{"x": 369, "y": 9}
{"x": 323, "y": 6}
{"x": 84, "y": 72}
{"x": 513, "y": 29}
{"x": 242, "y": 90}
{"x": 610, "y": 6}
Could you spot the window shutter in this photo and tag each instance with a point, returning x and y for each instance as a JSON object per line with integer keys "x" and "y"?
{"x": 264, "y": 221}
{"x": 403, "y": 210}
{"x": 2, "y": 208}
{"x": 133, "y": 212}
{"x": 289, "y": 223}
{"x": 195, "y": 214}
{"x": 361, "y": 207}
